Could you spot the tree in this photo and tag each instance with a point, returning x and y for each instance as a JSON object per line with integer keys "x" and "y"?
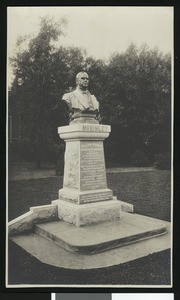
{"x": 42, "y": 73}
{"x": 133, "y": 88}
{"x": 137, "y": 102}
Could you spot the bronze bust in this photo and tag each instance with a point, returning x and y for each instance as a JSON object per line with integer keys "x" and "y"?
{"x": 84, "y": 107}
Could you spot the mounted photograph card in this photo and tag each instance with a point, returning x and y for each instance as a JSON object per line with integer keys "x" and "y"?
{"x": 90, "y": 144}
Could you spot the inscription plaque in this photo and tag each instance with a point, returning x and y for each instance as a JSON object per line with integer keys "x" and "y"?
{"x": 92, "y": 168}
{"x": 94, "y": 128}
{"x": 96, "y": 197}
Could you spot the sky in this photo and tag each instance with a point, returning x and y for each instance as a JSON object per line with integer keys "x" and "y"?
{"x": 101, "y": 31}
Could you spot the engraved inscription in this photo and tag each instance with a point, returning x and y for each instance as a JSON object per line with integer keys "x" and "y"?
{"x": 93, "y": 175}
{"x": 96, "y": 197}
{"x": 95, "y": 128}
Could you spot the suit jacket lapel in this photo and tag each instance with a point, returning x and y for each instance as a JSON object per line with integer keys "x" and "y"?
{"x": 79, "y": 97}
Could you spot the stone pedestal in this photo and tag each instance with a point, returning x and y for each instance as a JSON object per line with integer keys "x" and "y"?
{"x": 52, "y": 232}
{"x": 85, "y": 183}
{"x": 85, "y": 198}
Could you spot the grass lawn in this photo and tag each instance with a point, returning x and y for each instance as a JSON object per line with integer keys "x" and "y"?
{"x": 149, "y": 192}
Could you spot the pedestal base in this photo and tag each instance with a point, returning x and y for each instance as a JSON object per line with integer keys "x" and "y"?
{"x": 104, "y": 236}
{"x": 90, "y": 213}
{"x": 84, "y": 197}
{"x": 139, "y": 236}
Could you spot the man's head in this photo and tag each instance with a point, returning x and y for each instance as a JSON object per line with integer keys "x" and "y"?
{"x": 82, "y": 80}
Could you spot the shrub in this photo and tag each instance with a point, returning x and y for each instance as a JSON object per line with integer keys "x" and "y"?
{"x": 54, "y": 152}
{"x": 140, "y": 159}
{"x": 59, "y": 170}
{"x": 163, "y": 161}
{"x": 18, "y": 151}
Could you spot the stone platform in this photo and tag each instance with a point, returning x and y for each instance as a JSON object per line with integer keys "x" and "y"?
{"x": 63, "y": 245}
{"x": 100, "y": 237}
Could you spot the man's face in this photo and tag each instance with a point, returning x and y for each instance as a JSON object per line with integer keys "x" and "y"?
{"x": 83, "y": 80}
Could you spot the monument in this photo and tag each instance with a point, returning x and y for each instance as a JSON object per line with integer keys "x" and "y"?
{"x": 85, "y": 198}
{"x": 86, "y": 218}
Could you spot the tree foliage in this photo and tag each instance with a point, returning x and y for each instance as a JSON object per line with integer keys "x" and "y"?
{"x": 137, "y": 101}
{"x": 133, "y": 88}
{"x": 42, "y": 73}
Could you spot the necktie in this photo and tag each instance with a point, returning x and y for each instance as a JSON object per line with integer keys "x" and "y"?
{"x": 90, "y": 102}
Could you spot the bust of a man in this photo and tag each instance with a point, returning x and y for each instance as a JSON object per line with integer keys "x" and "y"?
{"x": 80, "y": 101}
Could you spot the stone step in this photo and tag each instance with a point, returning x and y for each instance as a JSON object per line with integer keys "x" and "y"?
{"x": 100, "y": 237}
{"x": 48, "y": 252}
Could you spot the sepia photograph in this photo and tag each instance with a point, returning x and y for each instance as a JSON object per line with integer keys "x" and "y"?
{"x": 89, "y": 147}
